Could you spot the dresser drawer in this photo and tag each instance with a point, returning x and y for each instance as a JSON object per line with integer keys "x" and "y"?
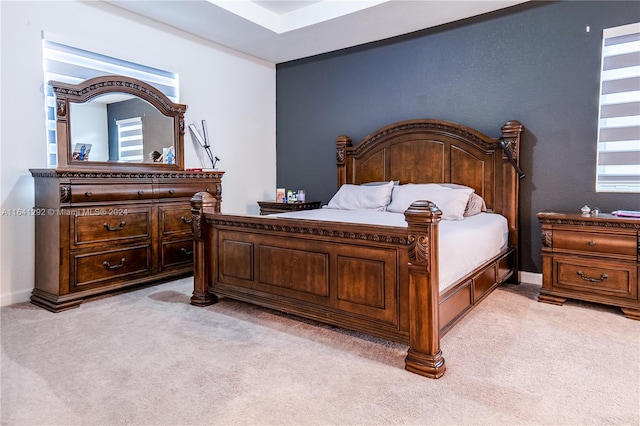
{"x": 99, "y": 267}
{"x": 114, "y": 192}
{"x": 96, "y": 228}
{"x": 606, "y": 278}
{"x": 184, "y": 189}
{"x": 597, "y": 243}
{"x": 175, "y": 220}
{"x": 177, "y": 253}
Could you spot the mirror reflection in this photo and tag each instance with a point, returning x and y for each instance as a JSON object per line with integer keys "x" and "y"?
{"x": 119, "y": 127}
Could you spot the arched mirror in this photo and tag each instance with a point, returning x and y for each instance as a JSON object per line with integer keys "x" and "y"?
{"x": 118, "y": 123}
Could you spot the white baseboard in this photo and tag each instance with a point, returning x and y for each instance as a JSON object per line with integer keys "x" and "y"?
{"x": 13, "y": 297}
{"x": 530, "y": 278}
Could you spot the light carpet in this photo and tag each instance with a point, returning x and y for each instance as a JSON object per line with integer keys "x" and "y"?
{"x": 148, "y": 357}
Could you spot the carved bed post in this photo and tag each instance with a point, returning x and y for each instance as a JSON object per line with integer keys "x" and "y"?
{"x": 511, "y": 132}
{"x": 424, "y": 356}
{"x": 202, "y": 261}
{"x": 343, "y": 143}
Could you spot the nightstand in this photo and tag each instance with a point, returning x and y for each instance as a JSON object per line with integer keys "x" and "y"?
{"x": 592, "y": 258}
{"x": 270, "y": 207}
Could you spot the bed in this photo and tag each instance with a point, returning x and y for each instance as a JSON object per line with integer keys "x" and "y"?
{"x": 373, "y": 276}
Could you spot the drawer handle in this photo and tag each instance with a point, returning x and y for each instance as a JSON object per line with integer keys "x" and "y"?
{"x": 592, "y": 243}
{"x": 590, "y": 279}
{"x": 88, "y": 194}
{"x": 186, "y": 252}
{"x": 185, "y": 220}
{"x": 119, "y": 228}
{"x": 207, "y": 190}
{"x": 141, "y": 192}
{"x": 110, "y": 266}
{"x": 172, "y": 191}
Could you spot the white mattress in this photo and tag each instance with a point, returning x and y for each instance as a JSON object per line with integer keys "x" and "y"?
{"x": 463, "y": 244}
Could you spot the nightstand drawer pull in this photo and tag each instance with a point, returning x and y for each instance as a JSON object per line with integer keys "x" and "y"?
{"x": 185, "y": 220}
{"x": 186, "y": 252}
{"x": 590, "y": 279}
{"x": 592, "y": 243}
{"x": 109, "y": 228}
{"x": 88, "y": 194}
{"x": 109, "y": 266}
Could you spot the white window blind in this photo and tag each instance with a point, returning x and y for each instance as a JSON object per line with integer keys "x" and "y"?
{"x": 130, "y": 139}
{"x": 618, "y": 164}
{"x": 68, "y": 64}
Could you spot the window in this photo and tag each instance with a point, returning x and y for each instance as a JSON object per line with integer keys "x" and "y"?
{"x": 130, "y": 140}
{"x": 618, "y": 164}
{"x": 71, "y": 65}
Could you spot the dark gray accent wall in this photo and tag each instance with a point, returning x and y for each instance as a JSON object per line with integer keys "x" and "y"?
{"x": 534, "y": 62}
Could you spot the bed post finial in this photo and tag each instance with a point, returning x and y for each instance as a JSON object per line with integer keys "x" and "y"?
{"x": 201, "y": 262}
{"x": 343, "y": 142}
{"x": 424, "y": 356}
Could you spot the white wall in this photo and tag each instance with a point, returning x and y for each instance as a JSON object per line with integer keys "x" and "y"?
{"x": 235, "y": 93}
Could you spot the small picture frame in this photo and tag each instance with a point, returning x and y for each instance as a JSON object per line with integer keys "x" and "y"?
{"x": 81, "y": 152}
{"x": 280, "y": 195}
{"x": 168, "y": 155}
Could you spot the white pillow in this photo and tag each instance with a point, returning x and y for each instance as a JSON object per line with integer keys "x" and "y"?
{"x": 452, "y": 202}
{"x": 362, "y": 197}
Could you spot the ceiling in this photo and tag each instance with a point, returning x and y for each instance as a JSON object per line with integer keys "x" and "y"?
{"x": 284, "y": 30}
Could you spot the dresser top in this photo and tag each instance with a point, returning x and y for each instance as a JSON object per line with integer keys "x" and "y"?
{"x": 78, "y": 173}
{"x": 601, "y": 219}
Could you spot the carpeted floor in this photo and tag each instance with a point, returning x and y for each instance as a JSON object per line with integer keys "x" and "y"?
{"x": 147, "y": 357}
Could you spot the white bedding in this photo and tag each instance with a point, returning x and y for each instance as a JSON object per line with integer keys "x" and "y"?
{"x": 463, "y": 244}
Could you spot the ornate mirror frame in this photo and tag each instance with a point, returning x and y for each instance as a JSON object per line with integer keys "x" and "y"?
{"x": 67, "y": 94}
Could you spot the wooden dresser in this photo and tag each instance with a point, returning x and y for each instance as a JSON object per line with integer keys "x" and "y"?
{"x": 99, "y": 231}
{"x": 593, "y": 258}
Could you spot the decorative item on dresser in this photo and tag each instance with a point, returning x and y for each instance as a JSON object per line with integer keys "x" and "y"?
{"x": 392, "y": 278}
{"x": 270, "y": 207}
{"x": 106, "y": 223}
{"x": 592, "y": 257}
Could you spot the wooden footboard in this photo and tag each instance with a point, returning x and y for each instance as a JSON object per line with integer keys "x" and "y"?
{"x": 381, "y": 281}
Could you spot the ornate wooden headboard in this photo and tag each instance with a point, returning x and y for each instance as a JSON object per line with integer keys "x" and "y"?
{"x": 436, "y": 151}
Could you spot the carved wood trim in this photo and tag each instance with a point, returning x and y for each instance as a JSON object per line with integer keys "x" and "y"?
{"x": 61, "y": 108}
{"x": 307, "y": 230}
{"x": 547, "y": 239}
{"x": 196, "y": 223}
{"x": 65, "y": 194}
{"x": 129, "y": 86}
{"x": 68, "y": 173}
{"x": 418, "y": 248}
{"x": 592, "y": 222}
{"x": 436, "y": 127}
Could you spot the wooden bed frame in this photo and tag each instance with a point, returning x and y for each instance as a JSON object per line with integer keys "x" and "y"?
{"x": 379, "y": 280}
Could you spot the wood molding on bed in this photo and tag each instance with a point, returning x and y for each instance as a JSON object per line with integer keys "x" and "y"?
{"x": 379, "y": 280}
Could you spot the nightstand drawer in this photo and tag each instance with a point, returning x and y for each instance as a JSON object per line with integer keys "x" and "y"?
{"x": 607, "y": 278}
{"x": 600, "y": 243}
